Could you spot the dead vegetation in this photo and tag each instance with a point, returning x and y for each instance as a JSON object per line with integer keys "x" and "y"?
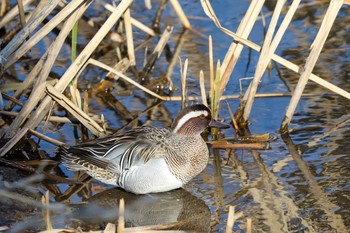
{"x": 35, "y": 100}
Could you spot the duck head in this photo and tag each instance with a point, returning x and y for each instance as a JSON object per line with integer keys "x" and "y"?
{"x": 194, "y": 119}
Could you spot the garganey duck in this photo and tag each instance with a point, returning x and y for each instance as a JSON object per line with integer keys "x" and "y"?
{"x": 148, "y": 159}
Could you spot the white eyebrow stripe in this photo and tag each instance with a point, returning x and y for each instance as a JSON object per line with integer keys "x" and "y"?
{"x": 188, "y": 116}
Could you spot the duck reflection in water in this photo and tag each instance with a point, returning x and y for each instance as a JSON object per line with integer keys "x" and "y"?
{"x": 176, "y": 210}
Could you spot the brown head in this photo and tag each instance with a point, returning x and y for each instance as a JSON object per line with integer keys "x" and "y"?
{"x": 194, "y": 119}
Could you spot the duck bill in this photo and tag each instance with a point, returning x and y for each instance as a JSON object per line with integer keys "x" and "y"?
{"x": 220, "y": 125}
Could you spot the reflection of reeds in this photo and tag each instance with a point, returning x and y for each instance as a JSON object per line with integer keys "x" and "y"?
{"x": 46, "y": 212}
{"x": 267, "y": 52}
{"x": 121, "y": 223}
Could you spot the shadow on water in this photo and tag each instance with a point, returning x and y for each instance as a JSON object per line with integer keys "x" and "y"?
{"x": 174, "y": 210}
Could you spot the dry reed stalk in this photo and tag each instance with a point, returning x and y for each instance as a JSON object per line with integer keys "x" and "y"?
{"x": 175, "y": 57}
{"x": 148, "y": 4}
{"x": 38, "y": 9}
{"x": 180, "y": 13}
{"x": 249, "y": 225}
{"x": 78, "y": 185}
{"x": 230, "y": 219}
{"x": 183, "y": 82}
{"x": 216, "y": 98}
{"x": 46, "y": 211}
{"x": 34, "y": 98}
{"x": 46, "y": 138}
{"x": 226, "y": 97}
{"x": 75, "y": 111}
{"x": 226, "y": 145}
{"x": 21, "y": 13}
{"x": 202, "y": 86}
{"x": 52, "y": 118}
{"x": 264, "y": 60}
{"x": 12, "y": 14}
{"x": 163, "y": 40}
{"x": 242, "y": 33}
{"x": 150, "y": 108}
{"x": 156, "y": 54}
{"x": 86, "y": 102}
{"x": 129, "y": 37}
{"x": 11, "y": 99}
{"x": 142, "y": 27}
{"x": 42, "y": 110}
{"x": 121, "y": 66}
{"x": 251, "y": 138}
{"x": 134, "y": 22}
{"x": 60, "y": 230}
{"x": 47, "y": 28}
{"x": 235, "y": 125}
{"x": 39, "y": 87}
{"x": 310, "y": 63}
{"x": 163, "y": 227}
{"x": 279, "y": 59}
{"x": 211, "y": 72}
{"x": 121, "y": 221}
{"x": 28, "y": 81}
{"x": 75, "y": 93}
{"x": 24, "y": 33}
{"x": 243, "y": 30}
{"x": 110, "y": 228}
{"x": 129, "y": 80}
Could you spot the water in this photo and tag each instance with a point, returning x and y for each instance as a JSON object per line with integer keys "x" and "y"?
{"x": 300, "y": 184}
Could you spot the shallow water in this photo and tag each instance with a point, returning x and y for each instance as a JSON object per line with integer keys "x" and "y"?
{"x": 300, "y": 184}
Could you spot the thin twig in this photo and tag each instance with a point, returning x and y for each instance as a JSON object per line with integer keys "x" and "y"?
{"x": 277, "y": 58}
{"x": 75, "y": 111}
{"x": 25, "y": 32}
{"x": 249, "y": 225}
{"x": 180, "y": 13}
{"x": 21, "y": 13}
{"x": 135, "y": 22}
{"x": 43, "y": 108}
{"x": 129, "y": 37}
{"x": 110, "y": 69}
{"x": 230, "y": 219}
{"x": 202, "y": 86}
{"x": 121, "y": 222}
{"x": 211, "y": 72}
{"x": 226, "y": 145}
{"x": 46, "y": 138}
{"x": 183, "y": 83}
{"x": 235, "y": 125}
{"x": 39, "y": 87}
{"x": 13, "y": 13}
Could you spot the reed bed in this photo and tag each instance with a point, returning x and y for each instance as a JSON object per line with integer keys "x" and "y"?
{"x": 45, "y": 93}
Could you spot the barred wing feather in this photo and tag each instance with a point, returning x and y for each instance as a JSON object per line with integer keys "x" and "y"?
{"x": 116, "y": 152}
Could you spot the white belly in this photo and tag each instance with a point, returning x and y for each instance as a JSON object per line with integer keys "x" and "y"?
{"x": 152, "y": 177}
